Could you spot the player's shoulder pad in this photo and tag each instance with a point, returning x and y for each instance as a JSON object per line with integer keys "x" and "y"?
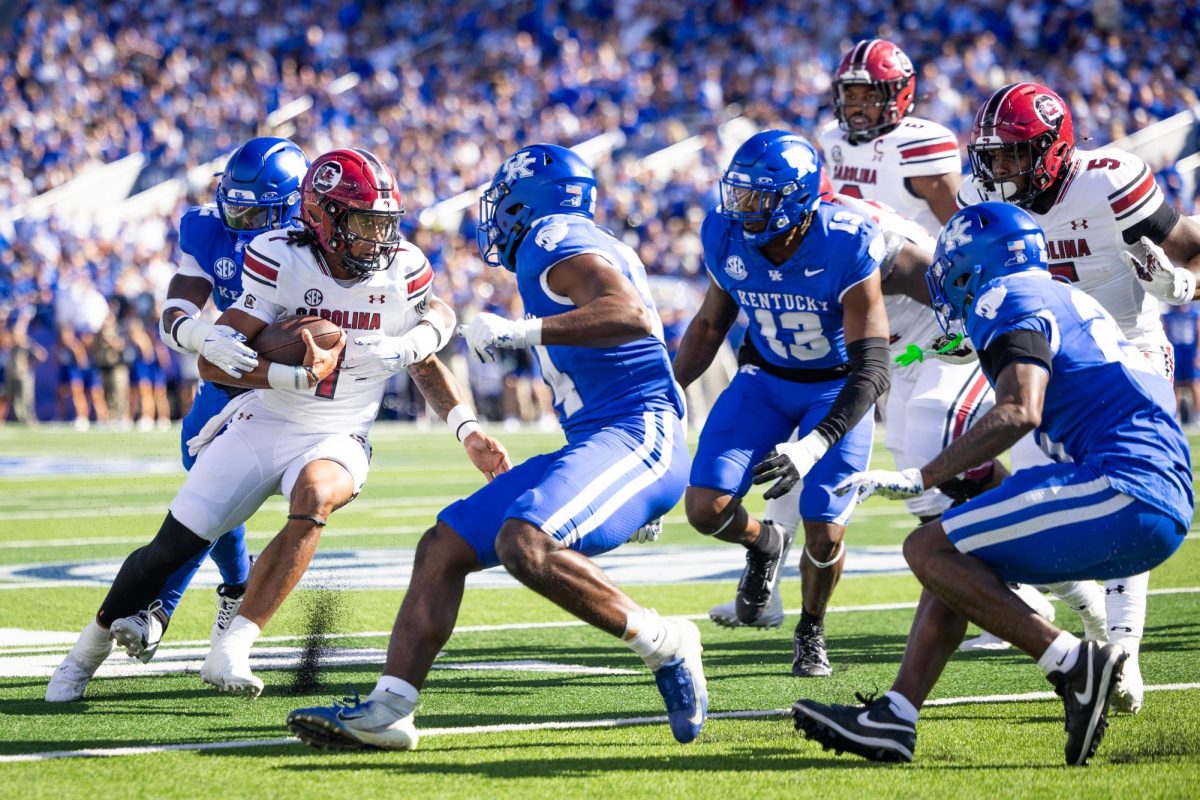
{"x": 1121, "y": 178}
{"x": 558, "y": 237}
{"x": 918, "y": 141}
{"x": 198, "y": 225}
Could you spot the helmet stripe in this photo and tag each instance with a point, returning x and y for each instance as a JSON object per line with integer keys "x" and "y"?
{"x": 993, "y": 106}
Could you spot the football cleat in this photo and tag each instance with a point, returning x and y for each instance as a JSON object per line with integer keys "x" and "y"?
{"x": 229, "y": 602}
{"x": 985, "y": 641}
{"x": 1085, "y": 690}
{"x": 141, "y": 633}
{"x": 71, "y": 677}
{"x": 222, "y": 673}
{"x": 1127, "y": 697}
{"x": 725, "y": 614}
{"x": 759, "y": 578}
{"x": 809, "y": 659}
{"x": 872, "y": 730}
{"x": 354, "y": 725}
{"x": 683, "y": 686}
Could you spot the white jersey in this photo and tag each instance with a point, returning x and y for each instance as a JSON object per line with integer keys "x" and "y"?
{"x": 880, "y": 169}
{"x": 909, "y": 322}
{"x": 1107, "y": 200}
{"x": 281, "y": 280}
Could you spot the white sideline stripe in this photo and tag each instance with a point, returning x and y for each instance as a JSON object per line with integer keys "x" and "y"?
{"x": 68, "y": 638}
{"x": 615, "y": 722}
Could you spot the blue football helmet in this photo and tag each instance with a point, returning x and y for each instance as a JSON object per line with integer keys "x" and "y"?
{"x": 979, "y": 244}
{"x": 534, "y": 182}
{"x": 772, "y": 183}
{"x": 260, "y": 187}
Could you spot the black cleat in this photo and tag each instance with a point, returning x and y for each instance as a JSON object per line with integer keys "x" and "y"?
{"x": 871, "y": 730}
{"x": 808, "y": 652}
{"x": 1085, "y": 690}
{"x": 758, "y": 579}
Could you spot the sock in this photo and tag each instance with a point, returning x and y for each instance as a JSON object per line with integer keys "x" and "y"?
{"x": 650, "y": 636}
{"x": 809, "y": 621}
{"x": 1061, "y": 655}
{"x": 1125, "y": 602}
{"x": 901, "y": 707}
{"x": 1086, "y": 599}
{"x": 1034, "y": 599}
{"x": 395, "y": 693}
{"x": 93, "y": 645}
{"x": 769, "y": 541}
{"x": 239, "y": 638}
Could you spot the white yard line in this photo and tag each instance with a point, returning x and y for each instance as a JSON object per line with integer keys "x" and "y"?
{"x": 616, "y": 722}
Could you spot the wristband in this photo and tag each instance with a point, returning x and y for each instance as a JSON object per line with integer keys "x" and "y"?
{"x": 462, "y": 422}
{"x": 426, "y": 340}
{"x": 291, "y": 379}
{"x": 532, "y": 331}
{"x": 190, "y": 333}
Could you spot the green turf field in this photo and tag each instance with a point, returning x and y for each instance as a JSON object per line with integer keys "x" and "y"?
{"x": 587, "y": 715}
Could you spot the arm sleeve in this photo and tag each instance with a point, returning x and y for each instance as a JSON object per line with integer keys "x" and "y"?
{"x": 1019, "y": 345}
{"x": 868, "y": 380}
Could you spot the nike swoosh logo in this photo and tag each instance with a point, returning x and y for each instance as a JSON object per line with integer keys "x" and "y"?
{"x": 867, "y": 722}
{"x": 697, "y": 718}
{"x": 808, "y": 273}
{"x": 1085, "y": 696}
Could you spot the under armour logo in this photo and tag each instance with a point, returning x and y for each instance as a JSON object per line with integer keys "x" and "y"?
{"x": 1079, "y": 224}
{"x": 244, "y": 415}
{"x": 371, "y": 298}
{"x": 1119, "y": 589}
{"x": 776, "y": 275}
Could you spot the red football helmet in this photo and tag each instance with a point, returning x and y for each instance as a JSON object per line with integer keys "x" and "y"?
{"x": 881, "y": 65}
{"x": 348, "y": 199}
{"x": 1028, "y": 121}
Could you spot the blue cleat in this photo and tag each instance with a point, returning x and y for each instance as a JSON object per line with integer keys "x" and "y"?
{"x": 354, "y": 725}
{"x": 683, "y": 686}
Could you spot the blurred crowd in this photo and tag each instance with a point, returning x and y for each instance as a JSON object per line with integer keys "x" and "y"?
{"x": 444, "y": 93}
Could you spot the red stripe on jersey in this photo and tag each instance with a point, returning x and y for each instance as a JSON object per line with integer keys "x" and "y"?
{"x": 963, "y": 412}
{"x": 421, "y": 281}
{"x": 260, "y": 268}
{"x": 929, "y": 149}
{"x": 1138, "y": 193}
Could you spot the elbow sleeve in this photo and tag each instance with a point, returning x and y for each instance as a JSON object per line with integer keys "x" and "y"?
{"x": 868, "y": 379}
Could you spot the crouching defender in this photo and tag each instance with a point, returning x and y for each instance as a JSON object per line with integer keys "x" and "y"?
{"x": 594, "y": 328}
{"x": 1117, "y": 501}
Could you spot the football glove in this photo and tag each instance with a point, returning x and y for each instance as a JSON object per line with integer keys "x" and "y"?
{"x": 222, "y": 346}
{"x": 1158, "y": 276}
{"x": 370, "y": 357}
{"x": 487, "y": 331}
{"x": 888, "y": 483}
{"x": 648, "y": 532}
{"x": 788, "y": 463}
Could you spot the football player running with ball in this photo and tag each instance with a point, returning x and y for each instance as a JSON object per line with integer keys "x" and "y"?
{"x": 593, "y": 326}
{"x": 1116, "y": 501}
{"x": 303, "y": 433}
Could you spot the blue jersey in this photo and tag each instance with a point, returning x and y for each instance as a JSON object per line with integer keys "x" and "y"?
{"x": 1105, "y": 406}
{"x": 593, "y": 386}
{"x": 212, "y": 252}
{"x": 795, "y": 308}
{"x": 1180, "y": 323}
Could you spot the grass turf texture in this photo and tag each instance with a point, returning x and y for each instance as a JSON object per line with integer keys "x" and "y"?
{"x": 1011, "y": 747}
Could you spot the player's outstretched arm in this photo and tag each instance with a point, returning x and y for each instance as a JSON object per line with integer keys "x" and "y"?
{"x": 704, "y": 335}
{"x": 940, "y": 193}
{"x": 906, "y": 273}
{"x": 445, "y": 397}
{"x": 609, "y": 310}
{"x": 1182, "y": 245}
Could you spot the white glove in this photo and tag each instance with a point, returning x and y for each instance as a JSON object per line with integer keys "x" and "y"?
{"x": 889, "y": 483}
{"x": 648, "y": 532}
{"x": 789, "y": 463}
{"x": 489, "y": 330}
{"x": 961, "y": 353}
{"x": 222, "y": 346}
{"x": 370, "y": 357}
{"x": 1158, "y": 276}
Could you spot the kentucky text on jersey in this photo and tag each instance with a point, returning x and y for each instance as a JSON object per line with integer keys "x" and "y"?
{"x": 355, "y": 320}
{"x": 778, "y": 301}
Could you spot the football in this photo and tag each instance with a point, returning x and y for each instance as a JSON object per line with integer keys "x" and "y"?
{"x": 281, "y": 341}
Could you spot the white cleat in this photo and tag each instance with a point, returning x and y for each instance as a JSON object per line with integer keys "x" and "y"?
{"x": 1130, "y": 690}
{"x": 71, "y": 677}
{"x": 141, "y": 633}
{"x": 725, "y": 614}
{"x": 220, "y": 672}
{"x": 229, "y": 602}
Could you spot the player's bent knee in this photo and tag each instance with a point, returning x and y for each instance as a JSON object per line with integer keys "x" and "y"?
{"x": 923, "y": 543}
{"x": 443, "y": 552}
{"x": 707, "y": 511}
{"x": 522, "y": 548}
{"x": 172, "y": 547}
